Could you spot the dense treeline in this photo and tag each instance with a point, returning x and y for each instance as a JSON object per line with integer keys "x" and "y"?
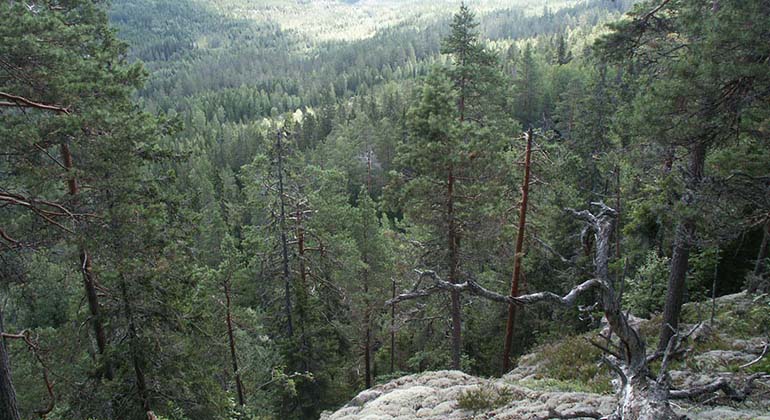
{"x": 216, "y": 235}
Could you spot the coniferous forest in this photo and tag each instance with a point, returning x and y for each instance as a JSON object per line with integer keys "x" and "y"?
{"x": 258, "y": 209}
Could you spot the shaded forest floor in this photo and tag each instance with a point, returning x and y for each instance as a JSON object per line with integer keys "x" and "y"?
{"x": 566, "y": 377}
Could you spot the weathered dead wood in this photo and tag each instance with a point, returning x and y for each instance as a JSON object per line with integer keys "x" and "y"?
{"x": 720, "y": 384}
{"x": 755, "y": 361}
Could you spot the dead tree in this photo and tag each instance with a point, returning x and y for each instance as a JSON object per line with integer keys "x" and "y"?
{"x": 518, "y": 254}
{"x": 642, "y": 395}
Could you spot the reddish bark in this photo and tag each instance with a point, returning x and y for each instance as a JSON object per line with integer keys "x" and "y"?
{"x": 517, "y": 256}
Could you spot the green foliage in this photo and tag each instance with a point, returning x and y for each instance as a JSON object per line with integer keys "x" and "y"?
{"x": 170, "y": 208}
{"x": 646, "y": 291}
{"x": 575, "y": 361}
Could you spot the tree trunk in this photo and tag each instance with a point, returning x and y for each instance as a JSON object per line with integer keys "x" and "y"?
{"x": 393, "y": 330}
{"x": 9, "y": 409}
{"x": 517, "y": 255}
{"x": 759, "y": 268}
{"x": 453, "y": 273}
{"x": 231, "y": 337}
{"x": 89, "y": 283}
{"x": 685, "y": 233}
{"x": 365, "y": 280}
{"x": 644, "y": 399}
{"x": 284, "y": 242}
{"x": 141, "y": 384}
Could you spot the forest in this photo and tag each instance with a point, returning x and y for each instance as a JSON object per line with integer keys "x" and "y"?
{"x": 256, "y": 210}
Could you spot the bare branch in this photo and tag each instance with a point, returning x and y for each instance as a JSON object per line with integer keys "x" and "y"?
{"x": 567, "y": 300}
{"x": 18, "y": 101}
{"x": 720, "y": 384}
{"x": 755, "y": 361}
{"x": 440, "y": 285}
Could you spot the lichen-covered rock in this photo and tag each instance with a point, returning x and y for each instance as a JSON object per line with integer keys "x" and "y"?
{"x": 738, "y": 336}
{"x": 434, "y": 396}
{"x": 716, "y": 359}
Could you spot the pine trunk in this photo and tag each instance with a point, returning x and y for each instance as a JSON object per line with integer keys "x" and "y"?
{"x": 517, "y": 255}
{"x": 759, "y": 268}
{"x": 89, "y": 282}
{"x": 141, "y": 383}
{"x": 685, "y": 233}
{"x": 284, "y": 242}
{"x": 393, "y": 329}
{"x": 453, "y": 274}
{"x": 365, "y": 281}
{"x": 231, "y": 337}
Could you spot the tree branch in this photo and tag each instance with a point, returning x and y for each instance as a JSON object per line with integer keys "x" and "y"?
{"x": 567, "y": 300}
{"x": 440, "y": 285}
{"x": 18, "y": 101}
{"x": 720, "y": 384}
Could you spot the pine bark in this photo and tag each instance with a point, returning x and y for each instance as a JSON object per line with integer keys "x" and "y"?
{"x": 453, "y": 272}
{"x": 9, "y": 409}
{"x": 365, "y": 280}
{"x": 393, "y": 330}
{"x": 141, "y": 382}
{"x": 517, "y": 255}
{"x": 685, "y": 233}
{"x": 284, "y": 241}
{"x": 231, "y": 337}
{"x": 89, "y": 282}
{"x": 759, "y": 268}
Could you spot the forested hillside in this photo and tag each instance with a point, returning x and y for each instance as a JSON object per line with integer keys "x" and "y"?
{"x": 256, "y": 209}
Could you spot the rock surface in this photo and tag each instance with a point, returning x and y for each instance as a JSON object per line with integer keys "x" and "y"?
{"x": 525, "y": 393}
{"x": 434, "y": 396}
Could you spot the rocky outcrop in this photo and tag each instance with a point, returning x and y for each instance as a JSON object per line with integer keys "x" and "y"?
{"x": 435, "y": 395}
{"x": 525, "y": 394}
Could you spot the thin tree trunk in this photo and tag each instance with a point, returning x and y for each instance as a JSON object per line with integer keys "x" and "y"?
{"x": 365, "y": 280}
{"x": 141, "y": 383}
{"x": 517, "y": 255}
{"x": 685, "y": 233}
{"x": 617, "y": 230}
{"x": 302, "y": 289}
{"x": 89, "y": 282}
{"x": 284, "y": 242}
{"x": 393, "y": 329}
{"x": 9, "y": 409}
{"x": 759, "y": 268}
{"x": 231, "y": 336}
{"x": 453, "y": 272}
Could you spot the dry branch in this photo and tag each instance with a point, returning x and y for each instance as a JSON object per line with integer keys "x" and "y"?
{"x": 21, "y": 102}
{"x": 720, "y": 384}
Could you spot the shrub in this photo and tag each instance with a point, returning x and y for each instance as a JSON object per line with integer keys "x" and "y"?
{"x": 646, "y": 291}
{"x": 487, "y": 397}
